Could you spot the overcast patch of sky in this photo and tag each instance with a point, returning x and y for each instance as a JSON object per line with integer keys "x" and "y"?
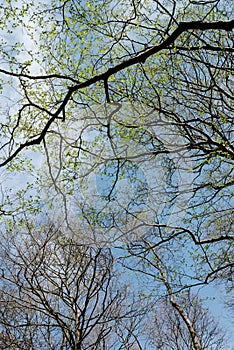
{"x": 11, "y": 97}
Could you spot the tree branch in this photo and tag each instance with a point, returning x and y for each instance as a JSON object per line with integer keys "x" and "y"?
{"x": 140, "y": 58}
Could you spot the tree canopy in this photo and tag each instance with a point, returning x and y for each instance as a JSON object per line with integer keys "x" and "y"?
{"x": 116, "y": 160}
